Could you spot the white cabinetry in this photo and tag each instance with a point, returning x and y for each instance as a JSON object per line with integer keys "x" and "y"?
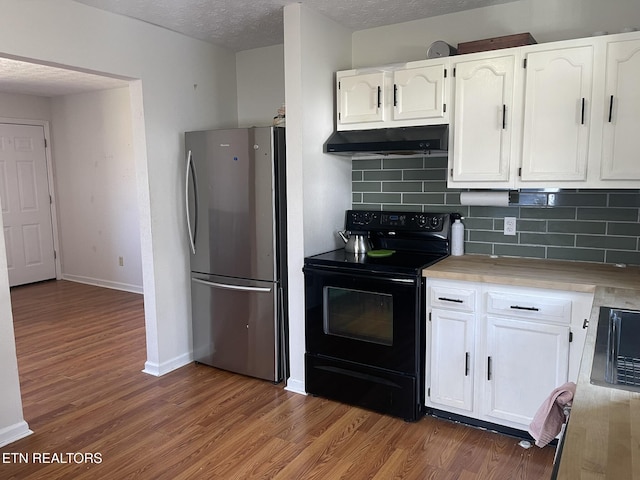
{"x": 622, "y": 112}
{"x": 495, "y": 352}
{"x": 482, "y": 132}
{"x": 360, "y": 98}
{"x": 571, "y": 123}
{"x": 418, "y": 93}
{"x": 527, "y": 351}
{"x": 557, "y": 106}
{"x": 394, "y": 96}
{"x": 452, "y": 344}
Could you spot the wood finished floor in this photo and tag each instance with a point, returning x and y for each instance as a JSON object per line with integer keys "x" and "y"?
{"x": 81, "y": 350}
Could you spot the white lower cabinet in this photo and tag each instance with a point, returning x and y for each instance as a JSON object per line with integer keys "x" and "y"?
{"x": 525, "y": 362}
{"x": 496, "y": 352}
{"x": 452, "y": 340}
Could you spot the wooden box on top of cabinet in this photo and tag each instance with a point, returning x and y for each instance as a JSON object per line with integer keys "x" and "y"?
{"x": 495, "y": 43}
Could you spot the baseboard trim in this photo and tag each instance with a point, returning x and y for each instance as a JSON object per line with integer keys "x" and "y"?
{"x": 295, "y": 386}
{"x": 14, "y": 433}
{"x": 159, "y": 369}
{"x": 104, "y": 283}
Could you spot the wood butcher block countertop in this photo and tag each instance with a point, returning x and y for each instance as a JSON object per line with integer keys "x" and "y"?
{"x": 602, "y": 440}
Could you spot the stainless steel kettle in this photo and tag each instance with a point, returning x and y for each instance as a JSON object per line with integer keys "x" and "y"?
{"x": 357, "y": 243}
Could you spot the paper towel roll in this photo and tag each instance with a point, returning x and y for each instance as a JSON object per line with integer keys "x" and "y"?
{"x": 497, "y": 199}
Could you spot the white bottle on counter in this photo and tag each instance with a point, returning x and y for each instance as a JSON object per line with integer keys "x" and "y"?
{"x": 457, "y": 238}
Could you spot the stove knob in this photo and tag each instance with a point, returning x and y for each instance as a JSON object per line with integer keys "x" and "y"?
{"x": 421, "y": 220}
{"x": 435, "y": 222}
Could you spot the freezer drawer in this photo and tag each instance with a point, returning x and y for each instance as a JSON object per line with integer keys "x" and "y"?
{"x": 236, "y": 325}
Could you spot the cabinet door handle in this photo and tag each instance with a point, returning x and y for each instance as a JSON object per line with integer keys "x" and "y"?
{"x": 466, "y": 364}
{"x": 504, "y": 117}
{"x": 454, "y": 300}
{"x": 531, "y": 309}
{"x": 379, "y": 96}
{"x": 582, "y": 112}
{"x": 395, "y": 95}
{"x": 610, "y": 108}
{"x": 488, "y": 368}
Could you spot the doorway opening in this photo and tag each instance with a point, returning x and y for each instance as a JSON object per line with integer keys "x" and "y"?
{"x": 66, "y": 103}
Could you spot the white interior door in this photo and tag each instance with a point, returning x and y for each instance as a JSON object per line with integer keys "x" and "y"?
{"x": 26, "y": 204}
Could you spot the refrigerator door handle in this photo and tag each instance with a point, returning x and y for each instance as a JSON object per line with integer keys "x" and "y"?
{"x": 232, "y": 287}
{"x": 191, "y": 173}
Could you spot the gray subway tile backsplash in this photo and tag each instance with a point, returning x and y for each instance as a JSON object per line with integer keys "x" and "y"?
{"x": 380, "y": 175}
{"x": 630, "y": 229}
{"x": 402, "y": 186}
{"x": 563, "y": 226}
{"x": 580, "y": 225}
{"x": 608, "y": 214}
{"x": 579, "y": 254}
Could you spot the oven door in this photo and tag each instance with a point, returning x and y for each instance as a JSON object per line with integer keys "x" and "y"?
{"x": 370, "y": 319}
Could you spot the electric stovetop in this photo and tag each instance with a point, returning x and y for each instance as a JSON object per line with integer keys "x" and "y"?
{"x": 402, "y": 262}
{"x": 417, "y": 240}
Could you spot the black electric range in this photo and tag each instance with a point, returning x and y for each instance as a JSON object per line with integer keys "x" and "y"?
{"x": 364, "y": 315}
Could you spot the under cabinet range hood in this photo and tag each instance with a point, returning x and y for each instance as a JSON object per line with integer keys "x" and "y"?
{"x": 431, "y": 139}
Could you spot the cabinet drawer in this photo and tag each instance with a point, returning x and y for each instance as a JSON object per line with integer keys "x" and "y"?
{"x": 556, "y": 310}
{"x": 452, "y": 297}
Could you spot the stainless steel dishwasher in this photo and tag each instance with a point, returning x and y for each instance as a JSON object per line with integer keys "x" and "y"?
{"x": 616, "y": 360}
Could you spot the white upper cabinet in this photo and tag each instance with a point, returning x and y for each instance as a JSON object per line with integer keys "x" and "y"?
{"x": 412, "y": 94}
{"x": 360, "y": 98}
{"x": 572, "y": 122}
{"x": 621, "y": 126}
{"x": 418, "y": 93}
{"x": 557, "y": 111}
{"x": 482, "y": 129}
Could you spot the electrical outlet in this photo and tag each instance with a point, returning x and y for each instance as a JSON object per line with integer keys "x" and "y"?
{"x": 509, "y": 225}
{"x": 121, "y": 261}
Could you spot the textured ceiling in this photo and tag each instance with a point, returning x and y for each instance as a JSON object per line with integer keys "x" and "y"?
{"x": 245, "y": 24}
{"x": 43, "y": 80}
{"x": 233, "y": 24}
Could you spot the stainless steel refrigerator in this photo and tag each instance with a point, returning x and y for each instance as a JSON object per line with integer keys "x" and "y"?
{"x": 236, "y": 214}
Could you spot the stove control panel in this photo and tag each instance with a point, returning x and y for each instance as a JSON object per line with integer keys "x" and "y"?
{"x": 362, "y": 220}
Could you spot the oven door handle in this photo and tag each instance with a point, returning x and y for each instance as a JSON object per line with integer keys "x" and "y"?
{"x": 409, "y": 281}
{"x": 369, "y": 277}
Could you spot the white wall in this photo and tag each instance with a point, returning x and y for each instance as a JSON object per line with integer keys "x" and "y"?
{"x": 100, "y": 224}
{"x": 260, "y": 74}
{"x": 184, "y": 84}
{"x": 546, "y": 20}
{"x": 26, "y": 107}
{"x": 12, "y": 424}
{"x": 96, "y": 189}
{"x": 319, "y": 185}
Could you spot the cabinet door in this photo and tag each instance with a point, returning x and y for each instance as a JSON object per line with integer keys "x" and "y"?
{"x": 622, "y": 122}
{"x": 558, "y": 92}
{"x": 525, "y": 361}
{"x": 360, "y": 98}
{"x": 483, "y": 121}
{"x": 418, "y": 93}
{"x": 450, "y": 359}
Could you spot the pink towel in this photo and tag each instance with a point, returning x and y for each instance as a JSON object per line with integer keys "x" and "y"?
{"x": 549, "y": 418}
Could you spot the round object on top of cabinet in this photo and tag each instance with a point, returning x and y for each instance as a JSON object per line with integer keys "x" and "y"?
{"x": 440, "y": 49}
